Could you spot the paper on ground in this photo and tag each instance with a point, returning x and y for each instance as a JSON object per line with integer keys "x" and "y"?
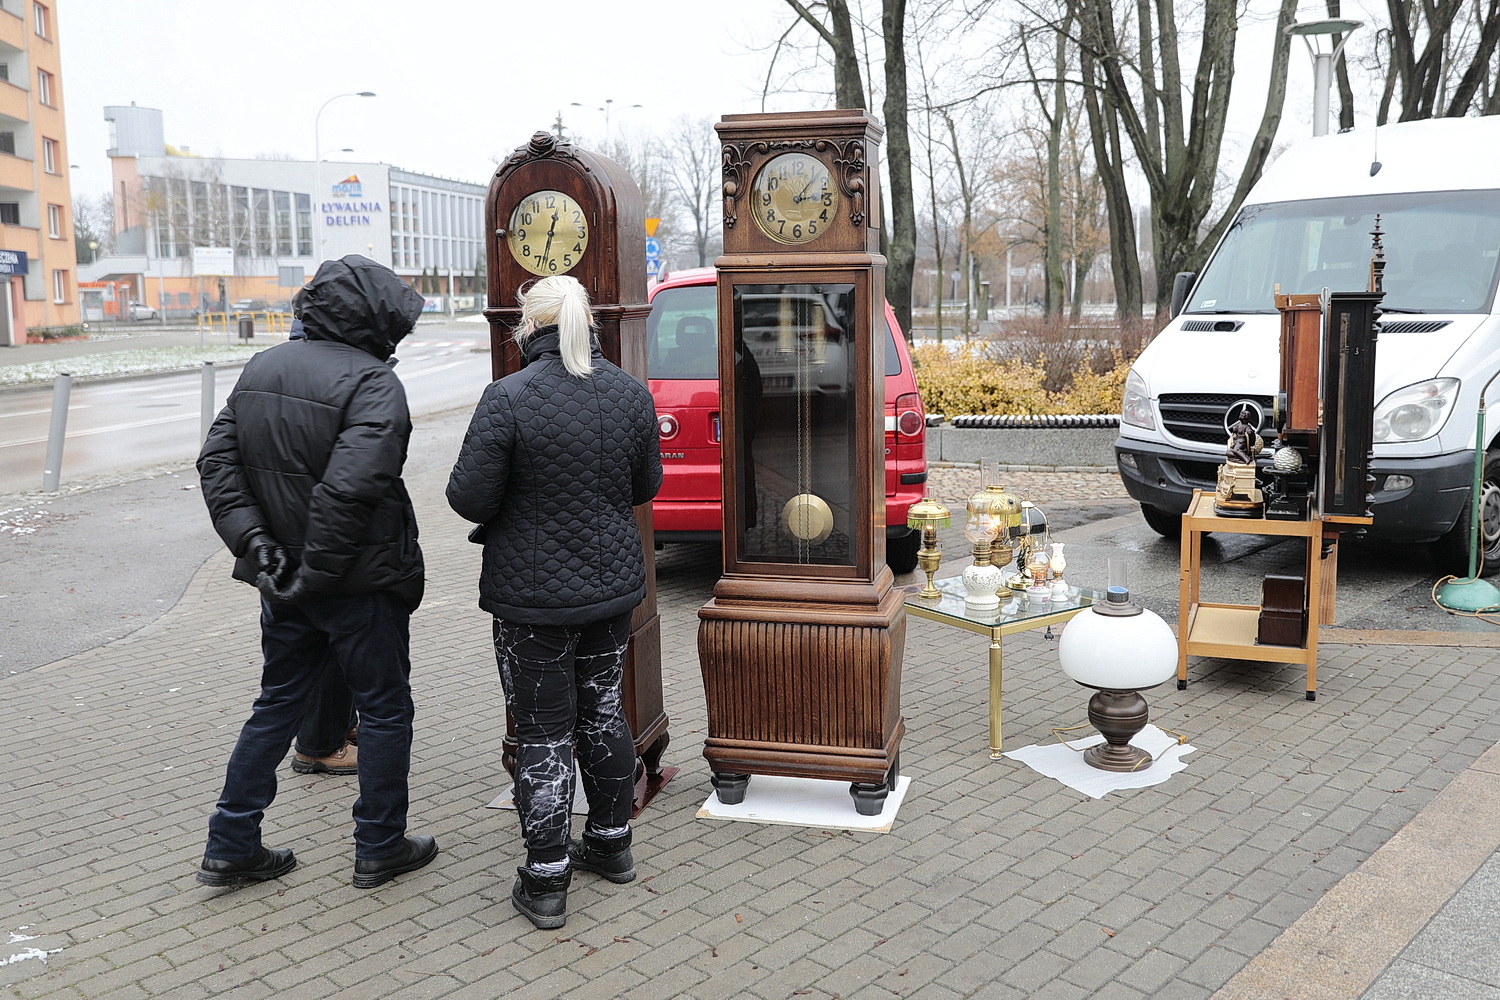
{"x": 804, "y": 802}
{"x": 1066, "y": 765}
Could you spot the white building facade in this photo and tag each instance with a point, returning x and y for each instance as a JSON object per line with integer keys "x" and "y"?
{"x": 280, "y": 218}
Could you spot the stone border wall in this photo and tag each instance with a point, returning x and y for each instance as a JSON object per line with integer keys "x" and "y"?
{"x": 1047, "y": 447}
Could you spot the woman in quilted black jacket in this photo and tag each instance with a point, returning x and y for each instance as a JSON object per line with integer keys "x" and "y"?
{"x": 556, "y": 458}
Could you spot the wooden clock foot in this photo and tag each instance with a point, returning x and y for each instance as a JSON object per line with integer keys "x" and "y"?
{"x": 652, "y": 755}
{"x": 730, "y": 786}
{"x": 1182, "y": 685}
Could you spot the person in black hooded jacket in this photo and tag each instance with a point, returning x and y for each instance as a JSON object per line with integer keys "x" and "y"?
{"x": 301, "y": 473}
{"x": 557, "y": 457}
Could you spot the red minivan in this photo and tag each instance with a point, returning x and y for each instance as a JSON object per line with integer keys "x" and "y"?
{"x": 682, "y": 345}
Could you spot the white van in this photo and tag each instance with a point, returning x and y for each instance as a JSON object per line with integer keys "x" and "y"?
{"x": 1306, "y": 226}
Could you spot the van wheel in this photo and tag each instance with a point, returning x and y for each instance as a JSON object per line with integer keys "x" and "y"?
{"x": 901, "y": 552}
{"x": 1163, "y": 522}
{"x": 1451, "y": 551}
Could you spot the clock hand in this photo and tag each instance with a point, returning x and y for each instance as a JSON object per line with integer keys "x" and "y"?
{"x": 547, "y": 249}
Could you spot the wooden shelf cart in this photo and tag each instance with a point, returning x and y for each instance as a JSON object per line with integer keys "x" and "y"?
{"x": 1229, "y": 630}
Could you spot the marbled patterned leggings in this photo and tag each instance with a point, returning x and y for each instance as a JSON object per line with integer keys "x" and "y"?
{"x": 562, "y": 686}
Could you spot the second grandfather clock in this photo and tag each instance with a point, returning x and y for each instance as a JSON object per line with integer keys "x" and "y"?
{"x": 801, "y": 645}
{"x": 555, "y": 209}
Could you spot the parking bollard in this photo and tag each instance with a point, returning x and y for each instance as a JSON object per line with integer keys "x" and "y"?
{"x": 62, "y": 389}
{"x": 207, "y": 413}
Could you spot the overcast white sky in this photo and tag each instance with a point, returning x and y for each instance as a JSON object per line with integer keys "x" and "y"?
{"x": 459, "y": 83}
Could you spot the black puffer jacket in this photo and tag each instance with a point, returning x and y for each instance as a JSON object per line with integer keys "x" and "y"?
{"x": 311, "y": 443}
{"x": 552, "y": 467}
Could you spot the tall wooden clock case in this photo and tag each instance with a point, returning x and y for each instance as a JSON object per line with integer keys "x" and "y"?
{"x": 553, "y": 208}
{"x": 801, "y": 645}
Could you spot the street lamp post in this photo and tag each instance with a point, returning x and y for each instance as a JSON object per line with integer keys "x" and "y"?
{"x": 1322, "y": 61}
{"x": 608, "y": 103}
{"x": 318, "y": 173}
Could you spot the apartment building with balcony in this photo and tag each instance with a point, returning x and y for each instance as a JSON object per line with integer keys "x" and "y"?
{"x": 38, "y": 265}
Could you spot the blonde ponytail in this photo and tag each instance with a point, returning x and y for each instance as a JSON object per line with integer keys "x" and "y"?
{"x": 560, "y": 300}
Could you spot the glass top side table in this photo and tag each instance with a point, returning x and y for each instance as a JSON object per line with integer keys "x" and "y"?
{"x": 1016, "y": 615}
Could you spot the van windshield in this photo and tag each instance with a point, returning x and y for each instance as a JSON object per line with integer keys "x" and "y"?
{"x": 1441, "y": 249}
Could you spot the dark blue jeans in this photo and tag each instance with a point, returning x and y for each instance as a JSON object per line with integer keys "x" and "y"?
{"x": 365, "y": 635}
{"x": 562, "y": 686}
{"x": 329, "y": 716}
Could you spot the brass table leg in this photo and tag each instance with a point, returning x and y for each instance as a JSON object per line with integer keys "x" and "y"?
{"x": 995, "y": 684}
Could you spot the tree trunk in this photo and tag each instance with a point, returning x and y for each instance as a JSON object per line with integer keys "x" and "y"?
{"x": 901, "y": 253}
{"x": 1052, "y": 266}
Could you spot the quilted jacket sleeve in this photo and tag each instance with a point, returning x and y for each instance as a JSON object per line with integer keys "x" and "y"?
{"x": 476, "y": 487}
{"x": 646, "y": 480}
{"x": 363, "y": 467}
{"x": 231, "y": 503}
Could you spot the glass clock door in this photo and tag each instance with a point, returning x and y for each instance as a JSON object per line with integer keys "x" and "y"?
{"x": 794, "y": 371}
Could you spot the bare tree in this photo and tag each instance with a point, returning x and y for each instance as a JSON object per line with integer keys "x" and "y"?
{"x": 1439, "y": 58}
{"x": 691, "y": 167}
{"x": 1176, "y": 125}
{"x": 93, "y": 223}
{"x": 900, "y": 241}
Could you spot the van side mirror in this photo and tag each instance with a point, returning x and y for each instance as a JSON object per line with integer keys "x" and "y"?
{"x": 1181, "y": 285}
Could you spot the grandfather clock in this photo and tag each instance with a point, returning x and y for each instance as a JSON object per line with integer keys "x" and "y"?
{"x": 801, "y": 644}
{"x": 555, "y": 209}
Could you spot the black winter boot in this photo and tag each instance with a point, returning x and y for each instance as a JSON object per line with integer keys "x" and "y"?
{"x": 542, "y": 899}
{"x": 609, "y": 857}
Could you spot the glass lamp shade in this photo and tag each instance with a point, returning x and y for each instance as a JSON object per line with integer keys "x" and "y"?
{"x": 1114, "y": 649}
{"x": 928, "y": 513}
{"x": 983, "y": 523}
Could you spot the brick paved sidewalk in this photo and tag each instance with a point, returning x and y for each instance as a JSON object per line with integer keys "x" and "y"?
{"x": 994, "y": 882}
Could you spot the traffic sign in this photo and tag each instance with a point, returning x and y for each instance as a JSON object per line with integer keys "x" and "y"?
{"x": 653, "y": 248}
{"x": 651, "y": 225}
{"x": 653, "y": 267}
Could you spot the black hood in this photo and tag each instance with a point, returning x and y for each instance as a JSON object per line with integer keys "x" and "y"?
{"x": 359, "y": 302}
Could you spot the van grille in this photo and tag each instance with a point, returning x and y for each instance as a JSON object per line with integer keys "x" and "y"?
{"x": 1200, "y": 416}
{"x": 1212, "y": 325}
{"x": 1413, "y": 325}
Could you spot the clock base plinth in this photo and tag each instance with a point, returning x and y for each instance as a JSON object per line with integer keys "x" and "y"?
{"x": 803, "y": 698}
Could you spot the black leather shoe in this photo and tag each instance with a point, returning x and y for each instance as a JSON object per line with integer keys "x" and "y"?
{"x": 542, "y": 899}
{"x": 609, "y": 857}
{"x": 263, "y": 864}
{"x": 415, "y": 853}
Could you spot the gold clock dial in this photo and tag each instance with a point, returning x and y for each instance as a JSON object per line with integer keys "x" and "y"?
{"x": 795, "y": 198}
{"x": 548, "y": 233}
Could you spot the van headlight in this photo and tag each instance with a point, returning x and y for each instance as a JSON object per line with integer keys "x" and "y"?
{"x": 1415, "y": 412}
{"x": 1135, "y": 407}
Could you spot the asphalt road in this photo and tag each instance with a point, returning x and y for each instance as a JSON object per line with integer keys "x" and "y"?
{"x": 144, "y": 422}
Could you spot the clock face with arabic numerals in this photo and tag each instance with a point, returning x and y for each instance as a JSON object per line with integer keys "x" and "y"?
{"x": 795, "y": 198}
{"x": 548, "y": 233}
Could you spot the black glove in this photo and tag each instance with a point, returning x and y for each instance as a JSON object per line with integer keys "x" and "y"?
{"x": 290, "y": 592}
{"x": 267, "y": 554}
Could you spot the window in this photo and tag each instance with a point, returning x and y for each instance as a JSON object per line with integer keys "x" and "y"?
{"x": 8, "y": 143}
{"x": 44, "y": 87}
{"x": 304, "y": 226}
{"x": 264, "y": 232}
{"x": 41, "y": 20}
{"x": 59, "y": 286}
{"x": 283, "y": 203}
{"x": 54, "y": 221}
{"x": 5, "y": 72}
{"x": 49, "y": 155}
{"x": 10, "y": 213}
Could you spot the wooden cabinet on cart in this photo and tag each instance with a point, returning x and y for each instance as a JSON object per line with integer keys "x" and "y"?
{"x": 1230, "y": 630}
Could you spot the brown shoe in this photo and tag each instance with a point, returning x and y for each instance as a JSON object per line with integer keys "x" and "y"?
{"x": 344, "y": 760}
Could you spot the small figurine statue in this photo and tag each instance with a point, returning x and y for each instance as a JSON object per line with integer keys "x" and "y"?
{"x": 1237, "y": 495}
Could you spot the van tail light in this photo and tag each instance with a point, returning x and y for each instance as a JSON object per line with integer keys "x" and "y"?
{"x": 666, "y": 426}
{"x": 911, "y": 419}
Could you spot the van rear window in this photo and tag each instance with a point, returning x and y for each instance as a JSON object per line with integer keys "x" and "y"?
{"x": 682, "y": 335}
{"x": 1442, "y": 252}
